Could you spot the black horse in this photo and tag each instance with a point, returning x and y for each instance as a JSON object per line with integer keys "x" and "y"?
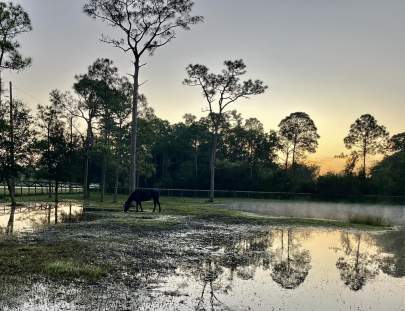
{"x": 140, "y": 196}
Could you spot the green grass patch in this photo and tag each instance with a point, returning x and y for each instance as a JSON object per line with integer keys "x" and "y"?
{"x": 64, "y": 260}
{"x": 368, "y": 221}
{"x": 69, "y": 269}
{"x": 194, "y": 209}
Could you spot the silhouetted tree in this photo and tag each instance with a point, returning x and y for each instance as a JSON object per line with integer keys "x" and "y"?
{"x": 250, "y": 144}
{"x": 53, "y": 143}
{"x": 144, "y": 27}
{"x": 15, "y": 145}
{"x": 87, "y": 107}
{"x": 120, "y": 133}
{"x": 367, "y": 137}
{"x": 14, "y": 21}
{"x": 388, "y": 175}
{"x": 220, "y": 91}
{"x": 397, "y": 143}
{"x": 298, "y": 135}
{"x": 106, "y": 74}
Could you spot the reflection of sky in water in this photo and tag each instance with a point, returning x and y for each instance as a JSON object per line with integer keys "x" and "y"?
{"x": 283, "y": 269}
{"x": 295, "y": 269}
{"x": 34, "y": 216}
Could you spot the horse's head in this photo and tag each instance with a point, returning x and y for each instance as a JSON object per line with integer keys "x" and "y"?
{"x": 126, "y": 206}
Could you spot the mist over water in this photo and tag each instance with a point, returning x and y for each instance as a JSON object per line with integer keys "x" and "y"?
{"x": 392, "y": 214}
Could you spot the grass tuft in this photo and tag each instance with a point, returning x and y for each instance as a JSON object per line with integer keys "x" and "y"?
{"x": 69, "y": 269}
{"x": 368, "y": 221}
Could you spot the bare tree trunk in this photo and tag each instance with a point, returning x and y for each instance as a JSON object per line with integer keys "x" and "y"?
{"x": 11, "y": 190}
{"x": 294, "y": 166}
{"x": 117, "y": 179}
{"x": 293, "y": 161}
{"x": 10, "y": 224}
{"x": 103, "y": 177}
{"x": 49, "y": 189}
{"x": 49, "y": 213}
{"x": 287, "y": 157}
{"x": 56, "y": 213}
{"x": 196, "y": 164}
{"x": 56, "y": 191}
{"x": 70, "y": 153}
{"x": 134, "y": 127}
{"x": 11, "y": 180}
{"x": 86, "y": 194}
{"x": 212, "y": 165}
{"x": 364, "y": 162}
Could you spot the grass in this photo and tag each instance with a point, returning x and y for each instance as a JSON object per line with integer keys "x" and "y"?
{"x": 368, "y": 221}
{"x": 196, "y": 209}
{"x": 67, "y": 260}
{"x": 68, "y": 269}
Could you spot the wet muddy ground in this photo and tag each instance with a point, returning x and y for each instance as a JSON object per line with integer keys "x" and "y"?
{"x": 197, "y": 257}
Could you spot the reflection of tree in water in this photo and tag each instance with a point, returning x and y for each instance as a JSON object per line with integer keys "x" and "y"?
{"x": 290, "y": 263}
{"x": 243, "y": 256}
{"x": 393, "y": 244}
{"x": 356, "y": 266}
{"x": 209, "y": 274}
{"x": 10, "y": 224}
{"x": 239, "y": 257}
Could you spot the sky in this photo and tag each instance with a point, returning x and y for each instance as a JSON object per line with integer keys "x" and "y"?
{"x": 334, "y": 59}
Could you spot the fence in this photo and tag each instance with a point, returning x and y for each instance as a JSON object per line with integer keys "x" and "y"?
{"x": 281, "y": 196}
{"x": 231, "y": 194}
{"x": 40, "y": 187}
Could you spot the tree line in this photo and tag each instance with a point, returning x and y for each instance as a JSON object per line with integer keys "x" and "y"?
{"x": 104, "y": 131}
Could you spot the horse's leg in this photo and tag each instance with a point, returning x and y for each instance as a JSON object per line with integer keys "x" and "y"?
{"x": 140, "y": 205}
{"x": 154, "y": 205}
{"x": 137, "y": 206}
{"x": 160, "y": 209}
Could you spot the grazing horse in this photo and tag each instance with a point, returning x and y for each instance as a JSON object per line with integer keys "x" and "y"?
{"x": 140, "y": 196}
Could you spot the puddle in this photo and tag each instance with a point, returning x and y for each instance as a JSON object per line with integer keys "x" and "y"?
{"x": 393, "y": 214}
{"x": 297, "y": 269}
{"x": 31, "y": 217}
{"x": 255, "y": 269}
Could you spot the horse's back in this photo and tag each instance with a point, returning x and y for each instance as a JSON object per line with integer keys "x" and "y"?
{"x": 140, "y": 195}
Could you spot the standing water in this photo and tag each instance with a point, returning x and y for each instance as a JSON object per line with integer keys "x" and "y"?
{"x": 392, "y": 214}
{"x": 30, "y": 217}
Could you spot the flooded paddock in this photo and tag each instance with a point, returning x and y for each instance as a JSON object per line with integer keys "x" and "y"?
{"x": 392, "y": 214}
{"x": 235, "y": 267}
{"x": 30, "y": 217}
{"x": 296, "y": 269}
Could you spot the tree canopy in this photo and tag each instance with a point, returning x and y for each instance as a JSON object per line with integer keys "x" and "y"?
{"x": 367, "y": 137}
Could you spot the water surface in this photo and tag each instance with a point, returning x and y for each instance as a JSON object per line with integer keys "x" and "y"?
{"x": 30, "y": 217}
{"x": 393, "y": 214}
{"x": 249, "y": 269}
